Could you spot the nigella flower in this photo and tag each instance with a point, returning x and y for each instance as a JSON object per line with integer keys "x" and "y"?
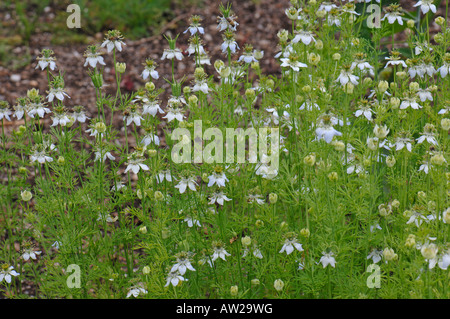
{"x": 309, "y": 105}
{"x": 171, "y": 54}
{"x": 252, "y": 198}
{"x": 365, "y": 110}
{"x": 113, "y": 41}
{"x": 394, "y": 60}
{"x": 40, "y": 154}
{"x": 393, "y": 13}
{"x": 217, "y": 177}
{"x": 446, "y": 109}
{"x": 152, "y": 108}
{"x": 346, "y": 76}
{"x": 327, "y": 6}
{"x": 187, "y": 182}
{"x": 201, "y": 85}
{"x": 194, "y": 26}
{"x": 426, "y": 5}
{"x": 227, "y": 20}
{"x": 150, "y": 70}
{"x": 325, "y": 130}
{"x": 401, "y": 142}
{"x": 183, "y": 263}
{"x": 293, "y": 62}
{"x": 291, "y": 243}
{"x": 219, "y": 251}
{"x": 79, "y": 114}
{"x": 229, "y": 42}
{"x": 37, "y": 108}
{"x": 410, "y": 101}
{"x": 376, "y": 255}
{"x": 93, "y": 56}
{"x": 174, "y": 278}
{"x": 191, "y": 221}
{"x": 104, "y": 154}
{"x": 59, "y": 93}
{"x": 195, "y": 46}
{"x": 362, "y": 65}
{"x": 174, "y": 114}
{"x": 328, "y": 259}
{"x": 425, "y": 94}
{"x": 135, "y": 291}
{"x": 219, "y": 198}
{"x": 305, "y": 36}
{"x": 135, "y": 163}
{"x": 417, "y": 218}
{"x": 334, "y": 18}
{"x": 20, "y": 108}
{"x": 5, "y": 112}
{"x": 6, "y": 272}
{"x": 30, "y": 253}
{"x": 424, "y": 167}
{"x": 428, "y": 135}
{"x": 164, "y": 174}
{"x": 444, "y": 261}
{"x": 46, "y": 60}
{"x": 444, "y": 70}
{"x": 150, "y": 138}
{"x": 60, "y": 118}
{"x": 133, "y": 116}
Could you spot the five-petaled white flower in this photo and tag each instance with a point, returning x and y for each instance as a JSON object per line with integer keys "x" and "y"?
{"x": 328, "y": 259}
{"x": 6, "y": 272}
{"x": 426, "y": 5}
{"x": 290, "y": 244}
{"x": 135, "y": 164}
{"x": 30, "y": 253}
{"x": 135, "y": 291}
{"x": 174, "y": 278}
{"x": 185, "y": 183}
{"x": 218, "y": 197}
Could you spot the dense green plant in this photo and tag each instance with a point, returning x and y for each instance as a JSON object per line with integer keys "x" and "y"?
{"x": 357, "y": 208}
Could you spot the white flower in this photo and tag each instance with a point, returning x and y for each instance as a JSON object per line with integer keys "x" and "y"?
{"x": 401, "y": 142}
{"x": 164, "y": 174}
{"x": 393, "y": 61}
{"x": 327, "y": 6}
{"x": 229, "y": 44}
{"x": 135, "y": 164}
{"x": 305, "y": 36}
{"x": 41, "y": 157}
{"x": 185, "y": 183}
{"x": 219, "y": 252}
{"x": 5, "y": 113}
{"x": 293, "y": 63}
{"x": 429, "y": 137}
{"x": 363, "y": 66}
{"x": 98, "y": 155}
{"x": 29, "y": 253}
{"x": 410, "y": 102}
{"x": 133, "y": 117}
{"x": 426, "y": 5}
{"x": 46, "y": 62}
{"x": 183, "y": 264}
{"x": 219, "y": 198}
{"x": 444, "y": 70}
{"x": 328, "y": 259}
{"x": 19, "y": 110}
{"x": 375, "y": 255}
{"x": 150, "y": 138}
{"x": 191, "y": 221}
{"x": 150, "y": 71}
{"x": 174, "y": 114}
{"x": 193, "y": 29}
{"x": 425, "y": 166}
{"x": 417, "y": 218}
{"x": 255, "y": 198}
{"x": 6, "y": 272}
{"x": 366, "y": 111}
{"x": 327, "y": 132}
{"x": 38, "y": 109}
{"x": 111, "y": 44}
{"x": 151, "y": 108}
{"x": 171, "y": 54}
{"x": 174, "y": 278}
{"x": 346, "y": 76}
{"x": 93, "y": 58}
{"x": 217, "y": 178}
{"x": 392, "y": 17}
{"x": 424, "y": 95}
{"x": 60, "y": 119}
{"x": 80, "y": 116}
{"x": 201, "y": 85}
{"x": 444, "y": 261}
{"x": 135, "y": 291}
{"x": 290, "y": 244}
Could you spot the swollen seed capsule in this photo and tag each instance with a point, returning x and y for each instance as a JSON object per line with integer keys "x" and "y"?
{"x": 146, "y": 270}
{"x": 246, "y": 241}
{"x": 445, "y": 124}
{"x": 143, "y": 229}
{"x": 61, "y": 160}
{"x": 273, "y": 198}
{"x": 234, "y": 290}
{"x": 278, "y": 285}
{"x": 159, "y": 196}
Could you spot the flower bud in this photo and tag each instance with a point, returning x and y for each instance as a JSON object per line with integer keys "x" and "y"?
{"x": 146, "y": 270}
{"x": 305, "y": 232}
{"x": 255, "y": 282}
{"x": 61, "y": 160}
{"x": 439, "y": 21}
{"x": 234, "y": 290}
{"x": 143, "y": 229}
{"x": 150, "y": 86}
{"x": 336, "y": 57}
{"x": 410, "y": 241}
{"x": 278, "y": 285}
{"x": 26, "y": 195}
{"x": 437, "y": 159}
{"x": 318, "y": 45}
{"x": 390, "y": 161}
{"x": 445, "y": 124}
{"x": 273, "y": 198}
{"x": 121, "y": 67}
{"x": 333, "y": 176}
{"x": 100, "y": 127}
{"x": 383, "y": 86}
{"x": 159, "y": 196}
{"x": 389, "y": 254}
{"x": 310, "y": 160}
{"x": 429, "y": 251}
{"x": 395, "y": 102}
{"x": 410, "y": 23}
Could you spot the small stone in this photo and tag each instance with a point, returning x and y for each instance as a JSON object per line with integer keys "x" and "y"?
{"x": 15, "y": 77}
